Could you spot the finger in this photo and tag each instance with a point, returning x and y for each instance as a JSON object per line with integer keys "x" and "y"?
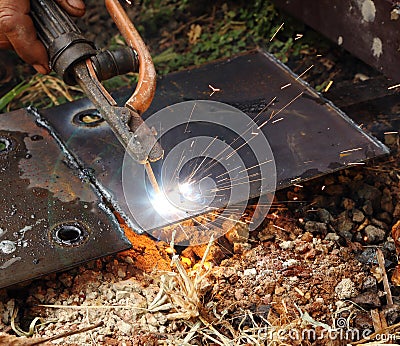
{"x": 75, "y": 8}
{"x": 17, "y": 26}
{"x": 4, "y": 42}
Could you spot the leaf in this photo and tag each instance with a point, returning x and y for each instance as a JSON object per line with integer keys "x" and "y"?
{"x": 14, "y": 92}
{"x": 194, "y": 33}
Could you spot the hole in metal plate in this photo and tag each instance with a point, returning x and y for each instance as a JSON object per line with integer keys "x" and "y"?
{"x": 69, "y": 234}
{"x": 5, "y": 145}
{"x": 89, "y": 118}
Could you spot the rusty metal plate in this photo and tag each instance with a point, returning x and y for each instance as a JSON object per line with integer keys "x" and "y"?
{"x": 51, "y": 216}
{"x": 369, "y": 29}
{"x": 308, "y": 135}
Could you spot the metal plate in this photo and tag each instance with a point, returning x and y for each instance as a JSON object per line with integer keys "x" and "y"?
{"x": 366, "y": 28}
{"x": 310, "y": 137}
{"x": 51, "y": 216}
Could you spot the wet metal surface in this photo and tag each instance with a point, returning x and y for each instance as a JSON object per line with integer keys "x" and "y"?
{"x": 369, "y": 29}
{"x": 308, "y": 135}
{"x": 51, "y": 216}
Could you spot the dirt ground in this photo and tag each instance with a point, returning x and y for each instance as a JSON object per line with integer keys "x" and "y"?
{"x": 318, "y": 271}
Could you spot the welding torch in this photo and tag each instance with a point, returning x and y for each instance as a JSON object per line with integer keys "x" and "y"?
{"x": 77, "y": 61}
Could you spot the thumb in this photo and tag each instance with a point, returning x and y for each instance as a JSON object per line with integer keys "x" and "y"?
{"x": 75, "y": 8}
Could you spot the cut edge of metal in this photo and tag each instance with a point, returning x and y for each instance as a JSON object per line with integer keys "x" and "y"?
{"x": 101, "y": 192}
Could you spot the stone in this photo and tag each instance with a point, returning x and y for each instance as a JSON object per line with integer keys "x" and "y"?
{"x": 368, "y": 300}
{"x": 346, "y": 289}
{"x": 358, "y": 216}
{"x": 315, "y": 227}
{"x": 239, "y": 233}
{"x": 374, "y": 235}
{"x": 387, "y": 201}
{"x": 367, "y": 208}
{"x": 324, "y": 215}
{"x": 250, "y": 272}
{"x": 379, "y": 224}
{"x": 332, "y": 237}
{"x": 348, "y": 203}
{"x": 335, "y": 190}
{"x": 124, "y": 327}
{"x": 215, "y": 255}
{"x": 240, "y": 248}
{"x": 286, "y": 245}
{"x": 370, "y": 284}
{"x": 344, "y": 225}
{"x": 370, "y": 193}
{"x": 392, "y": 313}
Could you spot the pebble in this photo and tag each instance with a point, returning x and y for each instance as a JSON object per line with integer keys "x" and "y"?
{"x": 316, "y": 227}
{"x": 367, "y": 208}
{"x": 344, "y": 225}
{"x": 346, "y": 289}
{"x": 386, "y": 201}
{"x": 374, "y": 235}
{"x": 369, "y": 300}
{"x": 392, "y": 313}
{"x": 324, "y": 215}
{"x": 286, "y": 245}
{"x": 124, "y": 327}
{"x": 238, "y": 233}
{"x": 250, "y": 272}
{"x": 348, "y": 203}
{"x": 332, "y": 237}
{"x": 358, "y": 216}
{"x": 370, "y": 193}
{"x": 239, "y": 248}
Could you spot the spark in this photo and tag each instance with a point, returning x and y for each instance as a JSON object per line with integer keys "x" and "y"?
{"x": 258, "y": 165}
{"x": 350, "y": 150}
{"x": 286, "y": 86}
{"x": 214, "y": 90}
{"x": 205, "y": 158}
{"x": 277, "y": 120}
{"x": 278, "y": 227}
{"x": 302, "y": 74}
{"x": 328, "y": 86}
{"x": 394, "y": 86}
{"x": 234, "y": 169}
{"x": 222, "y": 188}
{"x": 263, "y": 110}
{"x": 237, "y": 149}
{"x": 298, "y": 185}
{"x": 190, "y": 116}
{"x": 298, "y": 36}
{"x": 356, "y": 163}
{"x": 323, "y": 188}
{"x": 391, "y": 133}
{"x": 227, "y": 218}
{"x": 283, "y": 108}
{"x": 273, "y": 36}
{"x": 175, "y": 175}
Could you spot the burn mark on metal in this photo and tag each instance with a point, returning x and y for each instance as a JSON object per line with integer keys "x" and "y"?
{"x": 42, "y": 192}
{"x": 307, "y": 143}
{"x": 369, "y": 29}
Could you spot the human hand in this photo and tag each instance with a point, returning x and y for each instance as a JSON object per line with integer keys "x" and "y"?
{"x": 18, "y": 32}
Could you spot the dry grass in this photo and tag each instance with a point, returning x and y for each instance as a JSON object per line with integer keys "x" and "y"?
{"x": 50, "y": 90}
